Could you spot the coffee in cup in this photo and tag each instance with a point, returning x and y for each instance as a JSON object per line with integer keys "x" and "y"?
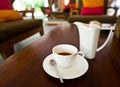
{"x": 65, "y": 54}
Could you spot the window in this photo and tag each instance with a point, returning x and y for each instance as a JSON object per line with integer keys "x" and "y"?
{"x": 28, "y": 4}
{"x": 66, "y": 2}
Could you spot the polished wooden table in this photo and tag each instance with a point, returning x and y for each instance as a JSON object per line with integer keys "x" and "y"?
{"x": 24, "y": 68}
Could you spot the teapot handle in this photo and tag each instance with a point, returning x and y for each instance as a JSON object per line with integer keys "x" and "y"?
{"x": 105, "y": 43}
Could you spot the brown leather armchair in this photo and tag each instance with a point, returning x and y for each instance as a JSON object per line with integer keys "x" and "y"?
{"x": 12, "y": 32}
{"x": 87, "y": 18}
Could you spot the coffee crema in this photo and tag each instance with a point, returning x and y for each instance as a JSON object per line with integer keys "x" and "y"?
{"x": 65, "y": 53}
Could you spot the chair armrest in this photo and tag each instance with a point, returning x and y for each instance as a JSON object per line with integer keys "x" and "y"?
{"x": 27, "y": 11}
{"x": 117, "y": 28}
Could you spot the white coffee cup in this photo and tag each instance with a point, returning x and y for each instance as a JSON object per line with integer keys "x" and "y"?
{"x": 65, "y": 54}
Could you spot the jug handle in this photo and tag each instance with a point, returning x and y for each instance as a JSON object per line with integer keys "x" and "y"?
{"x": 108, "y": 38}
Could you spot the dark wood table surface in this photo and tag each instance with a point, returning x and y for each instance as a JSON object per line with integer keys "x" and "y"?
{"x": 24, "y": 68}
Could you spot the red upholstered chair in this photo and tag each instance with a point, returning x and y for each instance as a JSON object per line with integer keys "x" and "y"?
{"x": 47, "y": 11}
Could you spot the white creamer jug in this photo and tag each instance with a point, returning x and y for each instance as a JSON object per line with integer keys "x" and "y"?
{"x": 89, "y": 35}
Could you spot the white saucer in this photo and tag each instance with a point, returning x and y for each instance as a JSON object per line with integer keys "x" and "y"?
{"x": 79, "y": 67}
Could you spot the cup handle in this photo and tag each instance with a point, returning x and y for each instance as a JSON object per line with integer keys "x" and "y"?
{"x": 81, "y": 53}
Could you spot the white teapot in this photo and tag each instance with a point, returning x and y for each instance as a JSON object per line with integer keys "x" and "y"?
{"x": 89, "y": 35}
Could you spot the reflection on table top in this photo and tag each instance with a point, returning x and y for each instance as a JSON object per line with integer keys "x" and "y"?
{"x": 24, "y": 68}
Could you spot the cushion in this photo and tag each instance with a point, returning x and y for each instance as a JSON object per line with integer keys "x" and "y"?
{"x": 5, "y": 4}
{"x": 47, "y": 11}
{"x": 92, "y": 10}
{"x": 73, "y": 5}
{"x": 2, "y": 20}
{"x": 8, "y": 15}
{"x": 13, "y": 28}
{"x": 93, "y": 3}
